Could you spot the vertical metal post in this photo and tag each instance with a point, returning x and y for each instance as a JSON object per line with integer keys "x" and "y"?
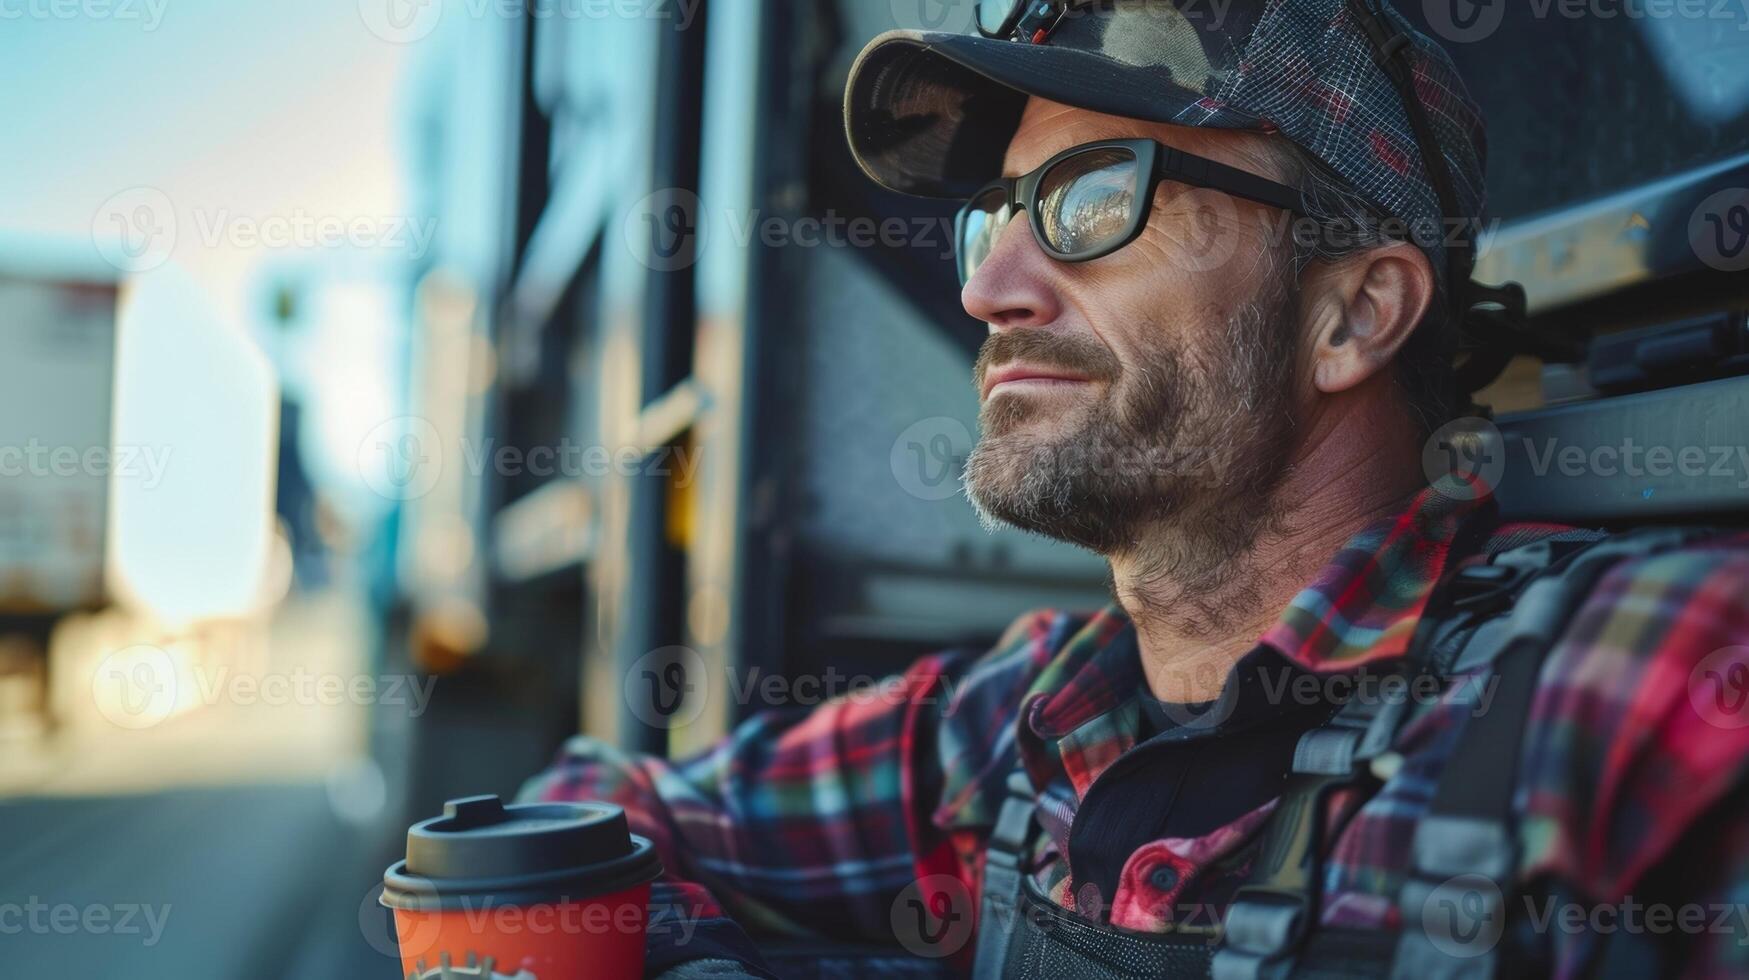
{"x": 652, "y": 607}
{"x": 727, "y": 614}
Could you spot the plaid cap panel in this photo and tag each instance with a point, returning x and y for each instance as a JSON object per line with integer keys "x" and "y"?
{"x": 1308, "y": 69}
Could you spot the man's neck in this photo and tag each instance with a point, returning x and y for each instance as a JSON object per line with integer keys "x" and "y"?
{"x": 1194, "y": 623}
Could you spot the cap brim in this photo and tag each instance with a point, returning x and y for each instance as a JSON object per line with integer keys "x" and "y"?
{"x": 931, "y": 113}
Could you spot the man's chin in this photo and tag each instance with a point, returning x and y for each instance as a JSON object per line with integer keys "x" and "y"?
{"x": 1040, "y": 422}
{"x": 1022, "y": 479}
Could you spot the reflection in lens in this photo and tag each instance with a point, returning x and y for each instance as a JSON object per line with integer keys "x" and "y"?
{"x": 992, "y": 14}
{"x": 1087, "y": 200}
{"x": 988, "y": 215}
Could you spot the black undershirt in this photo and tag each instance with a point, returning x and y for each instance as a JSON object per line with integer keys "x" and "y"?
{"x": 1192, "y": 773}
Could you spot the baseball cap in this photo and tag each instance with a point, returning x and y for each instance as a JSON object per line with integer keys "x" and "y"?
{"x": 931, "y": 113}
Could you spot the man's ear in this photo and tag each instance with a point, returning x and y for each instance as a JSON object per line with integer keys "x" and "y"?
{"x": 1364, "y": 308}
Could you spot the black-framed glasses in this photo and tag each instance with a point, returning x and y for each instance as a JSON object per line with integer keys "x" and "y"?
{"x": 1091, "y": 200}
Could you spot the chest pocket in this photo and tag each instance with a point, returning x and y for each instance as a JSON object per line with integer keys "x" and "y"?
{"x": 1049, "y": 942}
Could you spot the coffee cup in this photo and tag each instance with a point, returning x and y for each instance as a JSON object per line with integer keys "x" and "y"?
{"x": 538, "y": 891}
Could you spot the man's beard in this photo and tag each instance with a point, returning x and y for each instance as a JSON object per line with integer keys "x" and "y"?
{"x": 1174, "y": 466}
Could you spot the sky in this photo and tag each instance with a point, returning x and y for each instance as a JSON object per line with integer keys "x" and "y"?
{"x": 248, "y": 129}
{"x": 248, "y": 116}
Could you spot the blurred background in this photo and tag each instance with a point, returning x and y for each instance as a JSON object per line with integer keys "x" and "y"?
{"x": 389, "y": 387}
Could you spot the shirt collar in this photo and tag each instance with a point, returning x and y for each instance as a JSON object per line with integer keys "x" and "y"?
{"x": 1364, "y": 606}
{"x": 1361, "y": 609}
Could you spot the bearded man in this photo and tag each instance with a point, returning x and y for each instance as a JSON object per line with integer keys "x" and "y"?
{"x": 1222, "y": 254}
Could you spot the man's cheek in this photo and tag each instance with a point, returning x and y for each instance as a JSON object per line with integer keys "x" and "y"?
{"x": 1217, "y": 244}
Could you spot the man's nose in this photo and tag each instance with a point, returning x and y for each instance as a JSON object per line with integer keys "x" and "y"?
{"x": 1013, "y": 287}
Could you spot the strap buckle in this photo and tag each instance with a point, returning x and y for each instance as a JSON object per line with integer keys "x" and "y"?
{"x": 1453, "y": 902}
{"x": 1362, "y": 731}
{"x": 1263, "y": 927}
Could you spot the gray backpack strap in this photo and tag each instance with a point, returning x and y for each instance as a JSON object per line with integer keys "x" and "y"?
{"x": 1465, "y": 849}
{"x": 1271, "y": 918}
{"x": 1004, "y": 871}
{"x": 1272, "y": 915}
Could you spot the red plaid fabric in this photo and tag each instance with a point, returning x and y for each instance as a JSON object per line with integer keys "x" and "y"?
{"x": 824, "y": 822}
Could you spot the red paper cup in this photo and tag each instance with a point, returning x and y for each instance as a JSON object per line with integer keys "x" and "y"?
{"x": 547, "y": 891}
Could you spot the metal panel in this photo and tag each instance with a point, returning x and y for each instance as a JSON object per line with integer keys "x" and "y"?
{"x": 1608, "y": 245}
{"x": 1676, "y": 454}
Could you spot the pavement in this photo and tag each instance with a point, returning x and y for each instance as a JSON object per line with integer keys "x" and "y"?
{"x": 258, "y": 882}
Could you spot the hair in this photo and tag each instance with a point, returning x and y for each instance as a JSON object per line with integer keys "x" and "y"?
{"x": 1350, "y": 225}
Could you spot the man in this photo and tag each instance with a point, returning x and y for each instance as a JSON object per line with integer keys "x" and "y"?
{"x": 1213, "y": 254}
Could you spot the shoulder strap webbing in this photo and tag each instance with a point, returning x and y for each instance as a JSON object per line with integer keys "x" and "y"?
{"x": 1271, "y": 916}
{"x": 1004, "y": 868}
{"x": 1465, "y": 851}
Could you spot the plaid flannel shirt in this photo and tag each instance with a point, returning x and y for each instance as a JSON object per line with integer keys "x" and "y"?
{"x": 1630, "y": 795}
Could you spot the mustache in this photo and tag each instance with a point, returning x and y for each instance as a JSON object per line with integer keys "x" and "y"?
{"x": 1067, "y": 352}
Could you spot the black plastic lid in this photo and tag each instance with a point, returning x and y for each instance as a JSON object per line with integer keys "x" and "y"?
{"x": 482, "y": 852}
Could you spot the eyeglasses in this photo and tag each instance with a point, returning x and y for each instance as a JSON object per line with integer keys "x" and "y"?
{"x": 1033, "y": 21}
{"x": 1091, "y": 200}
